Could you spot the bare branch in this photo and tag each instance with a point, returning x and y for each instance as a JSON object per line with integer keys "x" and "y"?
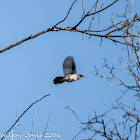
{"x": 92, "y": 121}
{"x": 47, "y": 124}
{"x": 23, "y": 114}
{"x": 66, "y": 15}
{"x": 115, "y": 38}
{"x": 93, "y": 14}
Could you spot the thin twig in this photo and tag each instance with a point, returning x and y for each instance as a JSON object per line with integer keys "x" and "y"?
{"x": 99, "y": 19}
{"x": 47, "y": 124}
{"x": 66, "y": 15}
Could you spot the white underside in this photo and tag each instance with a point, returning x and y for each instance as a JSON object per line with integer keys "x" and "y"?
{"x": 72, "y": 77}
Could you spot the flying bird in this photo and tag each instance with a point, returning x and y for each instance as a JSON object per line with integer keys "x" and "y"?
{"x": 69, "y": 70}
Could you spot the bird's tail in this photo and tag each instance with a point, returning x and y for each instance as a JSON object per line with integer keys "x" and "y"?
{"x": 59, "y": 80}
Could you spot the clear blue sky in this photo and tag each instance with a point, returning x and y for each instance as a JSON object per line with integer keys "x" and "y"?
{"x": 27, "y": 71}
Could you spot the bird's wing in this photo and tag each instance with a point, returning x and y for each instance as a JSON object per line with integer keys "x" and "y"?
{"x": 69, "y": 66}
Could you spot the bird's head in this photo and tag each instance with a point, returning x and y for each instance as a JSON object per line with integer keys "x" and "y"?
{"x": 81, "y": 76}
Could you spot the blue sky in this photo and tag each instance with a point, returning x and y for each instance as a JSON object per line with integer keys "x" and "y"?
{"x": 27, "y": 71}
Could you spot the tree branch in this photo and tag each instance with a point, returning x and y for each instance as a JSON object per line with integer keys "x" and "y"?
{"x": 23, "y": 114}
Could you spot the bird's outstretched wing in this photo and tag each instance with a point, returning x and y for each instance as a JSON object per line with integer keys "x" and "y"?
{"x": 69, "y": 66}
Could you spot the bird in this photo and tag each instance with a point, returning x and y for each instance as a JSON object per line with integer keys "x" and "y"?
{"x": 69, "y": 70}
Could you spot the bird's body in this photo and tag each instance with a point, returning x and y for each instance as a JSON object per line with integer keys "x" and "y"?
{"x": 69, "y": 69}
{"x": 72, "y": 77}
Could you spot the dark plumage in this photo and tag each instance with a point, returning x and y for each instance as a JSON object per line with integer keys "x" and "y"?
{"x": 59, "y": 80}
